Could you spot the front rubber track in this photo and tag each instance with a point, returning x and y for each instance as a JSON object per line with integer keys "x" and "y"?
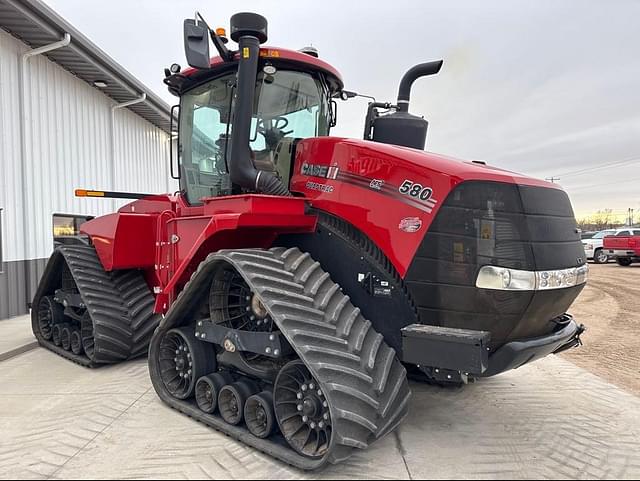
{"x": 361, "y": 377}
{"x": 119, "y": 302}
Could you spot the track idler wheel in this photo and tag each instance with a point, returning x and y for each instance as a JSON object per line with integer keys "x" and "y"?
{"x": 184, "y": 360}
{"x": 65, "y": 338}
{"x": 50, "y": 313}
{"x": 86, "y": 333}
{"x": 56, "y": 333}
{"x": 259, "y": 415}
{"x": 208, "y": 389}
{"x": 76, "y": 342}
{"x": 232, "y": 399}
{"x": 302, "y": 411}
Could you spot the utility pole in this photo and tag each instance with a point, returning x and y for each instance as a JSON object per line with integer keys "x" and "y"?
{"x": 552, "y": 179}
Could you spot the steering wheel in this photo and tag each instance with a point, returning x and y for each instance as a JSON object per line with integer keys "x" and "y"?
{"x": 279, "y": 124}
{"x": 281, "y": 120}
{"x": 274, "y": 134}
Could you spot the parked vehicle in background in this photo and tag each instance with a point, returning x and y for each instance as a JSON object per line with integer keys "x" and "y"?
{"x": 588, "y": 235}
{"x": 624, "y": 246}
{"x": 593, "y": 247}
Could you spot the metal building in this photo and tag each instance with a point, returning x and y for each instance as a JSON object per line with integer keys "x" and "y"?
{"x": 70, "y": 117}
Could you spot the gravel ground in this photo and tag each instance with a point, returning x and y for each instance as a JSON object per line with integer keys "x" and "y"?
{"x": 610, "y": 308}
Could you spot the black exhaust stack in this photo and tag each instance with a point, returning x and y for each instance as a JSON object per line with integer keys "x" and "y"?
{"x": 249, "y": 30}
{"x": 414, "y": 73}
{"x": 400, "y": 127}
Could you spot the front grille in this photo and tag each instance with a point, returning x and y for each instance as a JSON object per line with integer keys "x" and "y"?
{"x": 491, "y": 223}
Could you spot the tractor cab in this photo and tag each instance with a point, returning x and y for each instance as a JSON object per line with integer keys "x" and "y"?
{"x": 278, "y": 98}
{"x": 288, "y": 105}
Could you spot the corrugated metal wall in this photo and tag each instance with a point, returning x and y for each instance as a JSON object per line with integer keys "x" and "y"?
{"x": 10, "y": 164}
{"x": 139, "y": 146}
{"x": 69, "y": 145}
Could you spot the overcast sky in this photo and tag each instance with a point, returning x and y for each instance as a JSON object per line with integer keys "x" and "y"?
{"x": 542, "y": 87}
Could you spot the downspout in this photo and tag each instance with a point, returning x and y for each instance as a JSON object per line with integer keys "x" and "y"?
{"x": 22, "y": 89}
{"x": 115, "y": 107}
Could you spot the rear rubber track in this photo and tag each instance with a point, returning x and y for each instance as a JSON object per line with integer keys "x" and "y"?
{"x": 119, "y": 303}
{"x": 360, "y": 375}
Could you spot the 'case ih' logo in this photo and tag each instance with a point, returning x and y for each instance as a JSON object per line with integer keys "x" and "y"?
{"x": 323, "y": 171}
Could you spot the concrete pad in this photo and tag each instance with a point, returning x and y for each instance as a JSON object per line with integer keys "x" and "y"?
{"x": 162, "y": 444}
{"x": 15, "y": 335}
{"x": 550, "y": 419}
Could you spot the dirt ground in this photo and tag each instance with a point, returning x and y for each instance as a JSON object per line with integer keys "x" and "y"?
{"x": 610, "y": 308}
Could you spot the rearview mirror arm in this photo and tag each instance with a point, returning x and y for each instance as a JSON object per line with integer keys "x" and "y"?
{"x": 226, "y": 54}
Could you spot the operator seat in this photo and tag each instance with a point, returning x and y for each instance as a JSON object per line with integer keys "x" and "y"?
{"x": 264, "y": 160}
{"x": 279, "y": 161}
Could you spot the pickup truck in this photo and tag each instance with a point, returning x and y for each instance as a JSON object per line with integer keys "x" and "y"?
{"x": 624, "y": 247}
{"x": 593, "y": 246}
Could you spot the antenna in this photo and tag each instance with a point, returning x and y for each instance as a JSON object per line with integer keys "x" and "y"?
{"x": 552, "y": 179}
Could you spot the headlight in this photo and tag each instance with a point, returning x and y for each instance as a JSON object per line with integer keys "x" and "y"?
{"x": 588, "y": 247}
{"x": 504, "y": 279}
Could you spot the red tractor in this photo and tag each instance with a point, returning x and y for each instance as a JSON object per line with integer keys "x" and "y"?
{"x": 296, "y": 280}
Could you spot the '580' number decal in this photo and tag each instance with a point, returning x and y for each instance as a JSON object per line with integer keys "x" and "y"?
{"x": 416, "y": 190}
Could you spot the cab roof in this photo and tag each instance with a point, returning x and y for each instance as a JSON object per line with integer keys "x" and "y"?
{"x": 282, "y": 57}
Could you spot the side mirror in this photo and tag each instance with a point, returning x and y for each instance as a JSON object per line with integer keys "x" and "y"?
{"x": 196, "y": 44}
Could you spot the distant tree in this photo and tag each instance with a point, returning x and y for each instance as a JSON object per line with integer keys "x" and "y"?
{"x": 601, "y": 220}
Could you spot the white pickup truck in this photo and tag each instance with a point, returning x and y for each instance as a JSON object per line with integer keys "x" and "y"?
{"x": 594, "y": 247}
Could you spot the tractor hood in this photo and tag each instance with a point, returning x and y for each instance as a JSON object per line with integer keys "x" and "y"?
{"x": 366, "y": 157}
{"x": 440, "y": 221}
{"x": 400, "y": 191}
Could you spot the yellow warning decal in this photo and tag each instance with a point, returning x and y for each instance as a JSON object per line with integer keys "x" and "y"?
{"x": 269, "y": 53}
{"x": 245, "y": 52}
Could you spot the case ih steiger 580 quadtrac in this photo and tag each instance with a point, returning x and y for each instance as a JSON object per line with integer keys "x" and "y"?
{"x": 296, "y": 279}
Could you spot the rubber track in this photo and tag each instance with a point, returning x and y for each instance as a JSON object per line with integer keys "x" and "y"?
{"x": 119, "y": 302}
{"x": 360, "y": 375}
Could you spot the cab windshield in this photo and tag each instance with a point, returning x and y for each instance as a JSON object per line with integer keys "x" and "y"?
{"x": 288, "y": 105}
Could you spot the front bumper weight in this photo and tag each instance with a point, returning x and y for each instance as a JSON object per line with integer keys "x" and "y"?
{"x": 461, "y": 350}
